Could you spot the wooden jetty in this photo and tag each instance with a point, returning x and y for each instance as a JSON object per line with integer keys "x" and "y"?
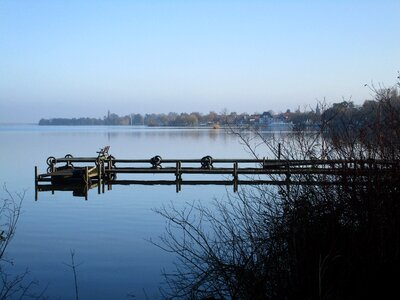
{"x": 105, "y": 170}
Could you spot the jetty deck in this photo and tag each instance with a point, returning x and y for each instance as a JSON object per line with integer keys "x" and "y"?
{"x": 106, "y": 170}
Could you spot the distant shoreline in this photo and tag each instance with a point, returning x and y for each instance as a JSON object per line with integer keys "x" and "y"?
{"x": 17, "y": 123}
{"x": 111, "y": 126}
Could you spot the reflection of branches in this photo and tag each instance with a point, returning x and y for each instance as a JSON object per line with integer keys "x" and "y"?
{"x": 18, "y": 287}
{"x": 13, "y": 286}
{"x": 74, "y": 266}
{"x": 10, "y": 210}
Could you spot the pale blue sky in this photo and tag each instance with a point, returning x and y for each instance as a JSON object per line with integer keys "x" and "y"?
{"x": 81, "y": 58}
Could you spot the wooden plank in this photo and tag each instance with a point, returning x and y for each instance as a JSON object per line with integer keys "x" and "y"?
{"x": 249, "y": 171}
{"x": 225, "y": 182}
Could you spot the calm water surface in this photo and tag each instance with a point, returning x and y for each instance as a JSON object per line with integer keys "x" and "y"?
{"x": 109, "y": 232}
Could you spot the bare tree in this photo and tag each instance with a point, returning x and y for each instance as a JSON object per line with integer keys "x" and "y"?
{"x": 222, "y": 250}
{"x": 325, "y": 241}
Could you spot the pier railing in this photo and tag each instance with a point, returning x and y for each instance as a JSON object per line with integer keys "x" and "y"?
{"x": 104, "y": 171}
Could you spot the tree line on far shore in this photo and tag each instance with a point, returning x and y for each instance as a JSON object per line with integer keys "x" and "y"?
{"x": 170, "y": 119}
{"x": 312, "y": 118}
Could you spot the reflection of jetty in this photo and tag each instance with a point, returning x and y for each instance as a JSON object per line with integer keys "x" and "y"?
{"x": 79, "y": 174}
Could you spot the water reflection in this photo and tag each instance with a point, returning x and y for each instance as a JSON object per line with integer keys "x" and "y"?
{"x": 109, "y": 231}
{"x": 82, "y": 190}
{"x": 78, "y": 190}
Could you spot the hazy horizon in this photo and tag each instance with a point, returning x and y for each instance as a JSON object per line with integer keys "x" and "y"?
{"x": 78, "y": 59}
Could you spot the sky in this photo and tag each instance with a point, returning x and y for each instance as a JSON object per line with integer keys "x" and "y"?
{"x": 83, "y": 58}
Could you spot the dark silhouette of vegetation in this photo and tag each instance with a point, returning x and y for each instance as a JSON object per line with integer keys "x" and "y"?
{"x": 375, "y": 126}
{"x": 301, "y": 242}
{"x": 13, "y": 286}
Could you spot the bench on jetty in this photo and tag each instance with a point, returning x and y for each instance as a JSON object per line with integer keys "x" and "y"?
{"x": 105, "y": 169}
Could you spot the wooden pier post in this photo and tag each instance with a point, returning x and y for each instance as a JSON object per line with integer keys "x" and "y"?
{"x": 86, "y": 182}
{"x": 36, "y": 184}
{"x": 99, "y": 177}
{"x": 103, "y": 166}
{"x": 178, "y": 176}
{"x": 235, "y": 177}
{"x": 109, "y": 186}
{"x": 287, "y": 180}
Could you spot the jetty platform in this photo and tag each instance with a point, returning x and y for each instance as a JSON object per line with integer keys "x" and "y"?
{"x": 83, "y": 173}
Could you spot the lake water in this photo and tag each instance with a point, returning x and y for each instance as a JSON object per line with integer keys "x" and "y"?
{"x": 109, "y": 233}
